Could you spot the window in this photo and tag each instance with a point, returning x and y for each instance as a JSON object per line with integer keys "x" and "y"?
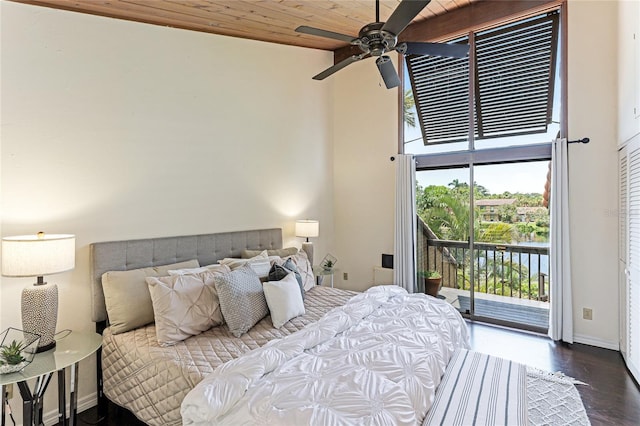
{"x": 513, "y": 76}
{"x": 482, "y": 144}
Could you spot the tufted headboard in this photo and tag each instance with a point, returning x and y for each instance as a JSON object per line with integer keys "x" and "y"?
{"x": 134, "y": 254}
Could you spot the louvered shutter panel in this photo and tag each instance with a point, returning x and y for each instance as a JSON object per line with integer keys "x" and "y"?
{"x": 622, "y": 240}
{"x": 441, "y": 93}
{"x": 623, "y": 192}
{"x": 633, "y": 260}
{"x": 514, "y": 84}
{"x": 516, "y": 67}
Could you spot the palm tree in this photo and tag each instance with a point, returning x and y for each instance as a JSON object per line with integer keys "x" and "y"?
{"x": 457, "y": 184}
{"x": 448, "y": 218}
{"x": 481, "y": 190}
{"x": 409, "y": 103}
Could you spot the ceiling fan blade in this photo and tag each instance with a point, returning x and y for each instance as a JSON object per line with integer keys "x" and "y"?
{"x": 388, "y": 72}
{"x": 404, "y": 13}
{"x": 434, "y": 49}
{"x": 337, "y": 67}
{"x": 324, "y": 33}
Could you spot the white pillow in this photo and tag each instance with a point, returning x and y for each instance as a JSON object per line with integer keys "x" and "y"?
{"x": 260, "y": 267}
{"x": 260, "y": 263}
{"x": 284, "y": 252}
{"x": 233, "y": 262}
{"x": 184, "y": 305}
{"x": 193, "y": 271}
{"x": 284, "y": 299}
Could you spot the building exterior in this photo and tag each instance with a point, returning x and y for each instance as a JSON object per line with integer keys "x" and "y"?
{"x": 490, "y": 209}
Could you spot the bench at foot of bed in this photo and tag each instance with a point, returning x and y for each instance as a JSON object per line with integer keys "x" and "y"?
{"x": 480, "y": 389}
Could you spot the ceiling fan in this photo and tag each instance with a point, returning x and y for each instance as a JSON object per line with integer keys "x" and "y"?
{"x": 378, "y": 38}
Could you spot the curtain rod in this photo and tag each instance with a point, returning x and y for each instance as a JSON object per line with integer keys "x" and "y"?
{"x": 583, "y": 140}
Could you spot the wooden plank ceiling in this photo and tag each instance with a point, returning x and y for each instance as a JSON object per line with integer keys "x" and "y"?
{"x": 265, "y": 20}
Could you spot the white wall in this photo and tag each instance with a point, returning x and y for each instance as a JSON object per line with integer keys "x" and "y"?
{"x": 593, "y": 178}
{"x": 365, "y": 120}
{"x": 117, "y": 130}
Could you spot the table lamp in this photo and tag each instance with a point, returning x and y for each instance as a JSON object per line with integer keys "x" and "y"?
{"x": 36, "y": 256}
{"x": 307, "y": 229}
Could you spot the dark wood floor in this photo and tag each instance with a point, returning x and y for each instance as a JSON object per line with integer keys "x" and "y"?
{"x": 610, "y": 398}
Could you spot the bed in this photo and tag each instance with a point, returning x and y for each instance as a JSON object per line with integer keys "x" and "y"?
{"x": 155, "y": 382}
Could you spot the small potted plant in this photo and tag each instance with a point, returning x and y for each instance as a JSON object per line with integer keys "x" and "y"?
{"x": 432, "y": 281}
{"x": 328, "y": 262}
{"x": 16, "y": 350}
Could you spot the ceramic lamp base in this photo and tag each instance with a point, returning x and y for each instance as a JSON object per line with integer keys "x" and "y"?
{"x": 308, "y": 248}
{"x": 40, "y": 313}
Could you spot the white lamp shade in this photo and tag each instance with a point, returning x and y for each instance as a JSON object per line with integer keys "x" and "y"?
{"x": 307, "y": 228}
{"x": 38, "y": 255}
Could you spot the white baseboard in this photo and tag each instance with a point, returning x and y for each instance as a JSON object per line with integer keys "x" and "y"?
{"x": 84, "y": 403}
{"x": 591, "y": 341}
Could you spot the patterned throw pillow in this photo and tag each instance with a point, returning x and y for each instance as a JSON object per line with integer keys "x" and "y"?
{"x": 301, "y": 261}
{"x": 242, "y": 299}
{"x": 184, "y": 305}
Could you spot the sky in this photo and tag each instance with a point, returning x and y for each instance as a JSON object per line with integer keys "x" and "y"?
{"x": 521, "y": 177}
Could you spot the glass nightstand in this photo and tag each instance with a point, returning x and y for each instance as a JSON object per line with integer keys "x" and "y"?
{"x": 69, "y": 351}
{"x": 320, "y": 273}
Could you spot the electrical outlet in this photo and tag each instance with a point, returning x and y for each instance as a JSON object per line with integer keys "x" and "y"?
{"x": 345, "y": 276}
{"x": 9, "y": 391}
{"x": 587, "y": 313}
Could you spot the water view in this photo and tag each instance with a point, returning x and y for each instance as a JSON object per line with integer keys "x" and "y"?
{"x": 507, "y": 273}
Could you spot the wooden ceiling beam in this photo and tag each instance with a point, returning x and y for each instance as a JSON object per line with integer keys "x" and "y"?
{"x": 483, "y": 13}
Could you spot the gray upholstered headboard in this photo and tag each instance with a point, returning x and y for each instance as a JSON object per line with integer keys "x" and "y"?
{"x": 134, "y": 254}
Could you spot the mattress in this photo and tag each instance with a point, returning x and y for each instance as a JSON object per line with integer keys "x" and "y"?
{"x": 151, "y": 381}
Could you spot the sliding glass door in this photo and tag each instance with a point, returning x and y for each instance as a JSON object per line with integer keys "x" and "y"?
{"x": 443, "y": 209}
{"x": 511, "y": 244}
{"x": 493, "y": 258}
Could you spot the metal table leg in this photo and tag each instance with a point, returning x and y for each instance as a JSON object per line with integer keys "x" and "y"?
{"x": 27, "y": 403}
{"x": 42, "y": 388}
{"x": 62, "y": 402}
{"x": 4, "y": 402}
{"x": 73, "y": 398}
{"x": 32, "y": 403}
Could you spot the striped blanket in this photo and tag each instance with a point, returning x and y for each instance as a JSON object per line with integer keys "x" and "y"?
{"x": 479, "y": 389}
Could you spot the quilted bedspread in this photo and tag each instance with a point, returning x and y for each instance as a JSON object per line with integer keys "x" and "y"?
{"x": 152, "y": 381}
{"x": 376, "y": 360}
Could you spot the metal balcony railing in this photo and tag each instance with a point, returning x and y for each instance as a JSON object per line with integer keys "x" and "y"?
{"x": 510, "y": 270}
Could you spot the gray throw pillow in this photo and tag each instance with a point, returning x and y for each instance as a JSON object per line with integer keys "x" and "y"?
{"x": 242, "y": 300}
{"x": 278, "y": 272}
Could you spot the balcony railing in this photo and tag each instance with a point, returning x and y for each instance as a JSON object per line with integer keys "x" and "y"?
{"x": 518, "y": 271}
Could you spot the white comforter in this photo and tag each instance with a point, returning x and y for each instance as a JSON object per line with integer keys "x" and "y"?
{"x": 376, "y": 360}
